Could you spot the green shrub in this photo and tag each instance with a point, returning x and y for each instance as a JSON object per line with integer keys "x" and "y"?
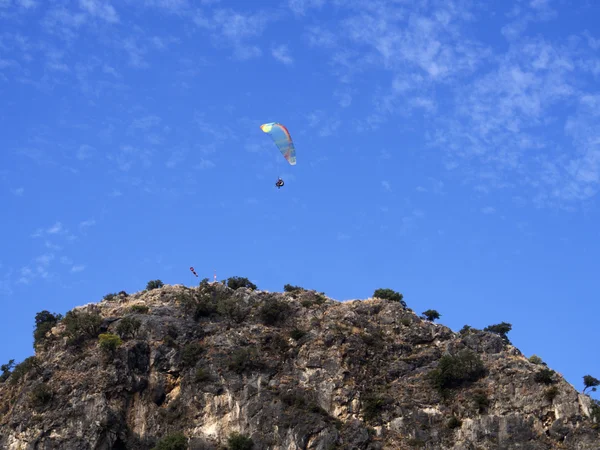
{"x": 431, "y": 315}
{"x": 454, "y": 422}
{"x": 242, "y": 359}
{"x": 128, "y": 327}
{"x": 109, "y": 297}
{"x": 372, "y": 406}
{"x": 240, "y": 282}
{"x": 480, "y": 400}
{"x": 273, "y": 311}
{"x": 109, "y": 342}
{"x": 81, "y": 325}
{"x": 297, "y": 334}
{"x": 44, "y": 322}
{"x": 23, "y": 368}
{"x": 232, "y": 308}
{"x": 405, "y": 321}
{"x": 544, "y": 376}
{"x": 40, "y": 395}
{"x": 454, "y": 370}
{"x": 388, "y": 294}
{"x": 122, "y": 294}
{"x": 6, "y": 370}
{"x": 154, "y": 284}
{"x": 139, "y": 309}
{"x": 501, "y": 329}
{"x": 551, "y": 393}
{"x": 590, "y": 382}
{"x": 191, "y": 354}
{"x": 176, "y": 441}
{"x": 465, "y": 330}
{"x": 535, "y": 359}
{"x": 290, "y": 288}
{"x": 201, "y": 375}
{"x": 237, "y": 441}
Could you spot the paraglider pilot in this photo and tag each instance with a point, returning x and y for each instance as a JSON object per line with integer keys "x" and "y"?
{"x": 279, "y": 183}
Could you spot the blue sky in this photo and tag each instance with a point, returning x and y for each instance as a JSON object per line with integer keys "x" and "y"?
{"x": 450, "y": 151}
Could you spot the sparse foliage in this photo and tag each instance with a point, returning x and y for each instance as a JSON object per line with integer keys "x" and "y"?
{"x": 44, "y": 321}
{"x": 466, "y": 329}
{"x": 389, "y": 294}
{"x": 176, "y": 441}
{"x": 81, "y": 325}
{"x": 40, "y": 395}
{"x": 139, "y": 309}
{"x": 240, "y": 282}
{"x": 551, "y": 393}
{"x": 590, "y": 382}
{"x": 232, "y": 309}
{"x": 128, "y": 327}
{"x": 191, "y": 353}
{"x": 454, "y": 370}
{"x": 154, "y": 284}
{"x": 431, "y": 314}
{"x": 544, "y": 376}
{"x": 273, "y": 311}
{"x": 480, "y": 400}
{"x": 501, "y": 329}
{"x": 535, "y": 359}
{"x": 290, "y": 288}
{"x": 201, "y": 375}
{"x": 237, "y": 441}
{"x": 23, "y": 368}
{"x": 6, "y": 370}
{"x": 372, "y": 406}
{"x": 454, "y": 422}
{"x": 242, "y": 359}
{"x": 109, "y": 342}
{"x": 297, "y": 334}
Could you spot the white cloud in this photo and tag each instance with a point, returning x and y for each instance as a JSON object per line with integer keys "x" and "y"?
{"x": 77, "y": 268}
{"x": 100, "y": 9}
{"x": 18, "y": 191}
{"x": 386, "y": 185}
{"x": 488, "y": 210}
{"x": 84, "y": 152}
{"x": 44, "y": 260}
{"x": 205, "y": 164}
{"x": 55, "y": 229}
{"x": 87, "y": 223}
{"x": 235, "y": 29}
{"x": 301, "y": 6}
{"x": 282, "y": 54}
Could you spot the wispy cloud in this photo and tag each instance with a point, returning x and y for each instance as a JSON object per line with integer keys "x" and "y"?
{"x": 235, "y": 29}
{"x": 488, "y": 210}
{"x": 386, "y": 185}
{"x": 18, "y": 191}
{"x": 78, "y": 268}
{"x": 100, "y": 9}
{"x": 282, "y": 54}
{"x": 55, "y": 229}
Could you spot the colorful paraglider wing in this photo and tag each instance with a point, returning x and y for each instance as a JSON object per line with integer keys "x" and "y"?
{"x": 281, "y": 136}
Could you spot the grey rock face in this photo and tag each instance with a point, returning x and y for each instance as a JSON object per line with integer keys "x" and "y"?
{"x": 289, "y": 371}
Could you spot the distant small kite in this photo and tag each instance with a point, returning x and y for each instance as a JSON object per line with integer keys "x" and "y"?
{"x": 194, "y": 272}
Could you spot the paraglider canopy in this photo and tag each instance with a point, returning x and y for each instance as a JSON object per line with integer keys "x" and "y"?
{"x": 281, "y": 136}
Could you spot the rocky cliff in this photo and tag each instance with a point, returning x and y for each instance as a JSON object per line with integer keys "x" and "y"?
{"x": 283, "y": 371}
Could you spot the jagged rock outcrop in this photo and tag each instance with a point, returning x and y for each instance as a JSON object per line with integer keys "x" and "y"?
{"x": 290, "y": 371}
